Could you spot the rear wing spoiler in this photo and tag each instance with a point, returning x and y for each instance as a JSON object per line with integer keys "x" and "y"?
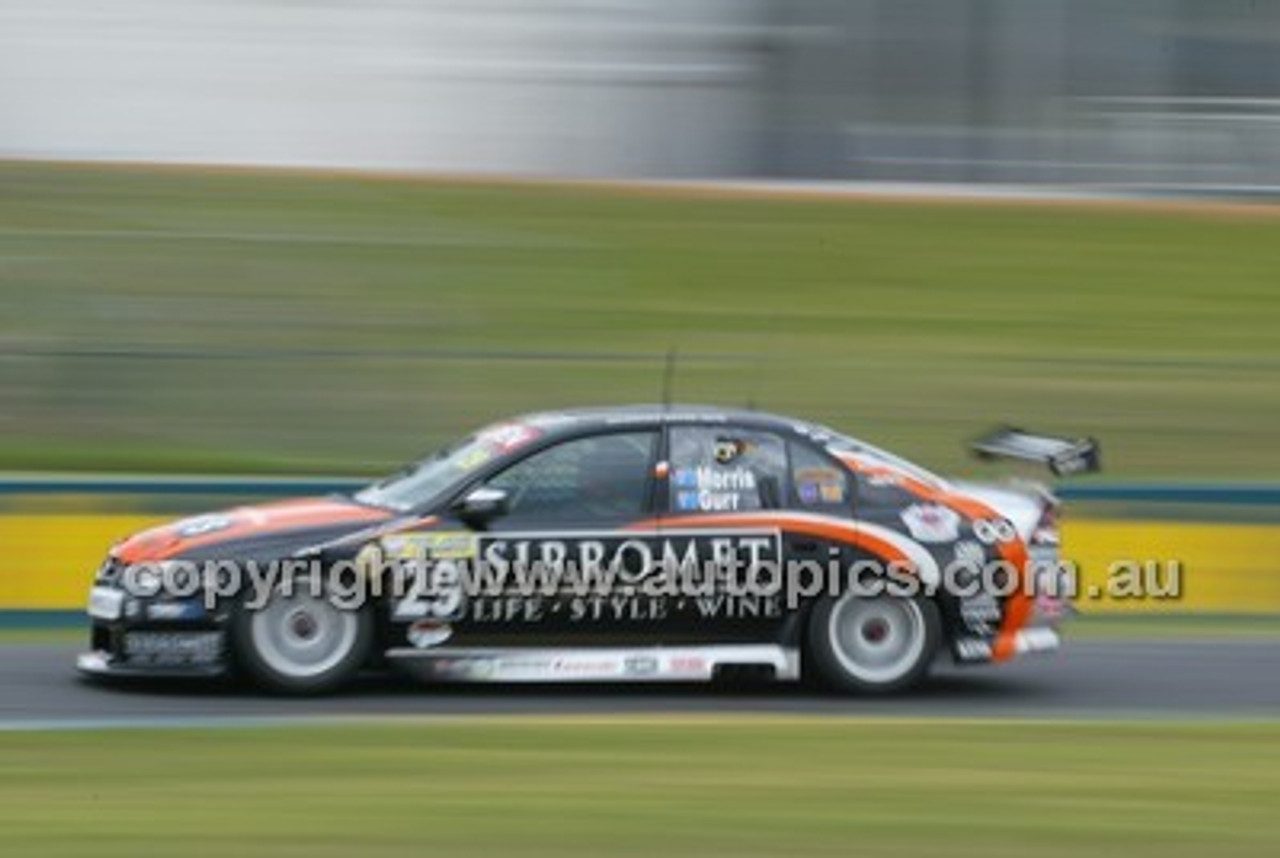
{"x": 1063, "y": 456}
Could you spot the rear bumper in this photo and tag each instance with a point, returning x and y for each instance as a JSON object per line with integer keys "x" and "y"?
{"x": 1036, "y": 639}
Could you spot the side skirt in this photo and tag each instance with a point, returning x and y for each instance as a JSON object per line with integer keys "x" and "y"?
{"x": 594, "y": 664}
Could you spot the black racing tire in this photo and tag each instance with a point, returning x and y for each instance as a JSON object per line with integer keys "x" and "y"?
{"x": 300, "y": 643}
{"x": 873, "y": 646}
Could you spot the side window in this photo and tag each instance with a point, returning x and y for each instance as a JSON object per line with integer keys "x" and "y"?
{"x": 816, "y": 481}
{"x": 598, "y": 478}
{"x": 726, "y": 469}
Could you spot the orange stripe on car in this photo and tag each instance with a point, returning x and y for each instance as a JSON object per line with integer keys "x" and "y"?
{"x": 832, "y": 529}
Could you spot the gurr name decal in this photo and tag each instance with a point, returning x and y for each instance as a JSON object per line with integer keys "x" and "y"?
{"x": 710, "y": 489}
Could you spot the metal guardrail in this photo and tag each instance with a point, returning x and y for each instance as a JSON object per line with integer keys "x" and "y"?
{"x": 107, "y": 485}
{"x": 1225, "y": 493}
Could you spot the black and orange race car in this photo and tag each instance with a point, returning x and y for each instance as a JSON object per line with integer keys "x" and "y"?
{"x": 633, "y": 543}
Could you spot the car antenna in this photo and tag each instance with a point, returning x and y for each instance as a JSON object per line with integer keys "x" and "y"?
{"x": 764, "y": 358}
{"x": 668, "y": 378}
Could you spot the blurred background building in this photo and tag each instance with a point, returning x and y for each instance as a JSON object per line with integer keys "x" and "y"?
{"x": 1179, "y": 93}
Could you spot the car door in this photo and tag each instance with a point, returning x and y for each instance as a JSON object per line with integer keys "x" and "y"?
{"x": 727, "y": 489}
{"x": 540, "y": 566}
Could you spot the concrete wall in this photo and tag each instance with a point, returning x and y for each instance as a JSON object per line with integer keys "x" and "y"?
{"x": 577, "y": 87}
{"x": 1134, "y": 92}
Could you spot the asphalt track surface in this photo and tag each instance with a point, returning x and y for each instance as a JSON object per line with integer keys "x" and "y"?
{"x": 1091, "y": 679}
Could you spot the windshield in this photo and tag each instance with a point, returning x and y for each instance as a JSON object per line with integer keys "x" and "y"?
{"x": 437, "y": 474}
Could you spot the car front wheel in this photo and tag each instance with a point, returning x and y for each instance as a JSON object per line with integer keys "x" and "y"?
{"x": 299, "y": 642}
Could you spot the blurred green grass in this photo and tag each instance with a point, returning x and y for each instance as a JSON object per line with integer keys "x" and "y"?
{"x": 219, "y": 321}
{"x": 683, "y": 786}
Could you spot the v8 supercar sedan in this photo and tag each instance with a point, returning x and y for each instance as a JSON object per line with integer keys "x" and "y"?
{"x": 646, "y": 543}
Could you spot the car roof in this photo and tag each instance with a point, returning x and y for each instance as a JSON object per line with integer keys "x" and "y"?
{"x": 583, "y": 419}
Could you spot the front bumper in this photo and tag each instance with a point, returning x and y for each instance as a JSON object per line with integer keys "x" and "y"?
{"x": 133, "y": 637}
{"x": 98, "y": 663}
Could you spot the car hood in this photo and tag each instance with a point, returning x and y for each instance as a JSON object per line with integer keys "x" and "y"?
{"x": 250, "y": 529}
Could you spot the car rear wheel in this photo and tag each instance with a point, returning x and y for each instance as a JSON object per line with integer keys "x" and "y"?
{"x": 873, "y": 645}
{"x": 299, "y": 642}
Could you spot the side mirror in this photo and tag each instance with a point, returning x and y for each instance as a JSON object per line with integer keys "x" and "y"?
{"x": 482, "y": 506}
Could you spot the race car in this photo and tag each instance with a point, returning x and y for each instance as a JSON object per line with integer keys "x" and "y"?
{"x": 631, "y": 543}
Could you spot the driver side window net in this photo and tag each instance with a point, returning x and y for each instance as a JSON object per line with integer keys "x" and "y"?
{"x": 599, "y": 478}
{"x": 725, "y": 469}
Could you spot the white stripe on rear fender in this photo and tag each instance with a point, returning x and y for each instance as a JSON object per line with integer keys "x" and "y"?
{"x": 926, "y": 566}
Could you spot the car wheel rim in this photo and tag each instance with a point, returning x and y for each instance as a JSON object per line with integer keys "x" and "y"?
{"x": 302, "y": 635}
{"x": 877, "y": 641}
